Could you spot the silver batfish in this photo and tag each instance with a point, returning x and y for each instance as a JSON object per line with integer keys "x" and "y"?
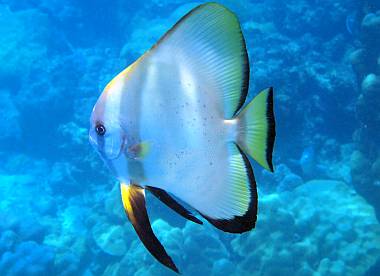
{"x": 173, "y": 123}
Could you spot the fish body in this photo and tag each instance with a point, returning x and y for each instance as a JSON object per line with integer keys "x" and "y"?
{"x": 184, "y": 127}
{"x": 352, "y": 23}
{"x": 172, "y": 123}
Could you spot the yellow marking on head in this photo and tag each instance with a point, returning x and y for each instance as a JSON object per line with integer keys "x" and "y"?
{"x": 122, "y": 75}
{"x": 116, "y": 80}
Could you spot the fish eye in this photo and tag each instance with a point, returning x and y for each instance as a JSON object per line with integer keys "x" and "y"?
{"x": 100, "y": 129}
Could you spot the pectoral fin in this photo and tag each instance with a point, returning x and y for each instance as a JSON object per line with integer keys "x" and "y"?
{"x": 133, "y": 198}
{"x": 173, "y": 204}
{"x": 138, "y": 151}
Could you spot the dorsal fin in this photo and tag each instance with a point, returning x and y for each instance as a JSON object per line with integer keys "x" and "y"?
{"x": 173, "y": 204}
{"x": 209, "y": 40}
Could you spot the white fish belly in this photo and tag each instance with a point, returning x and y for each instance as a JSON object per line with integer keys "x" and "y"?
{"x": 182, "y": 121}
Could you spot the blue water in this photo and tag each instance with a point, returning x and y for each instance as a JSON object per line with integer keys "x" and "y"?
{"x": 60, "y": 208}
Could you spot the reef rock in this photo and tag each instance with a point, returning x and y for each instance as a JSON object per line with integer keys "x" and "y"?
{"x": 110, "y": 238}
{"x": 195, "y": 249}
{"x": 9, "y": 117}
{"x": 371, "y": 26}
{"x": 323, "y": 227}
{"x": 20, "y": 42}
{"x": 371, "y": 84}
{"x": 28, "y": 258}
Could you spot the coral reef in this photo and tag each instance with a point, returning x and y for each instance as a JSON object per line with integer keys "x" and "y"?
{"x": 28, "y": 258}
{"x": 321, "y": 227}
{"x": 60, "y": 209}
{"x": 365, "y": 61}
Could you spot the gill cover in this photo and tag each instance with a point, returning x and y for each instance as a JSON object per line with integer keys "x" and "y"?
{"x": 110, "y": 144}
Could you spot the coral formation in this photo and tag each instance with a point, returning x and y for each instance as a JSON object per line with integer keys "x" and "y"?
{"x": 60, "y": 209}
{"x": 110, "y": 238}
{"x": 28, "y": 258}
{"x": 365, "y": 61}
{"x": 323, "y": 227}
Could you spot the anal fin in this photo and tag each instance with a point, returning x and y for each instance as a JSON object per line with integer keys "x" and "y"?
{"x": 241, "y": 195}
{"x": 133, "y": 198}
{"x": 173, "y": 204}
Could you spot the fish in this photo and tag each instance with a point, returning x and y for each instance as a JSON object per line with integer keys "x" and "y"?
{"x": 352, "y": 23}
{"x": 174, "y": 124}
{"x": 309, "y": 166}
{"x": 307, "y": 161}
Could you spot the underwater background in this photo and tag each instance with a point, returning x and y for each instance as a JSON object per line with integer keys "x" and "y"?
{"x": 60, "y": 208}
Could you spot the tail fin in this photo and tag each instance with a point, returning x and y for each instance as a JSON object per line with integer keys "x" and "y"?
{"x": 257, "y": 129}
